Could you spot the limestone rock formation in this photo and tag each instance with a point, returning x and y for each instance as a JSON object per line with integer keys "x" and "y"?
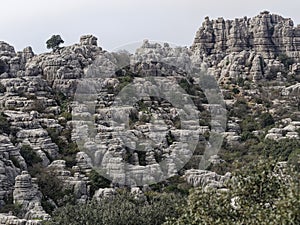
{"x": 143, "y": 117}
{"x": 205, "y": 179}
{"x": 13, "y": 220}
{"x": 77, "y": 182}
{"x": 9, "y": 156}
{"x": 26, "y": 194}
{"x": 289, "y": 131}
{"x": 88, "y": 40}
{"x": 267, "y": 34}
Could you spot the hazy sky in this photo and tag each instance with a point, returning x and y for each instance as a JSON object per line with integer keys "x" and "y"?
{"x": 118, "y": 22}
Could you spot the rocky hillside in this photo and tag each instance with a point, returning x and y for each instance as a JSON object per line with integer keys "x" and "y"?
{"x": 80, "y": 123}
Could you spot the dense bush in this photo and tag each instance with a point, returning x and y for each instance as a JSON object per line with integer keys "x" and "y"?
{"x": 287, "y": 61}
{"x": 55, "y": 193}
{"x": 266, "y": 119}
{"x": 254, "y": 196}
{"x": 10, "y": 207}
{"x": 67, "y": 148}
{"x": 122, "y": 209}
{"x": 281, "y": 149}
{"x": 30, "y": 156}
{"x": 240, "y": 108}
{"x": 97, "y": 181}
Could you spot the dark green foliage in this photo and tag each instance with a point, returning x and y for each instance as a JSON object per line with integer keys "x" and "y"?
{"x": 52, "y": 188}
{"x": 125, "y": 77}
{"x": 252, "y": 123}
{"x": 97, "y": 181}
{"x": 281, "y": 149}
{"x": 240, "y": 81}
{"x": 62, "y": 100}
{"x": 3, "y": 66}
{"x": 236, "y": 91}
{"x": 2, "y": 88}
{"x": 170, "y": 138}
{"x": 260, "y": 197}
{"x": 30, "y": 155}
{"x": 4, "y": 124}
{"x": 14, "y": 161}
{"x": 133, "y": 118}
{"x": 193, "y": 89}
{"x": 249, "y": 124}
{"x": 15, "y": 209}
{"x": 287, "y": 61}
{"x": 125, "y": 80}
{"x": 175, "y": 184}
{"x": 294, "y": 157}
{"x": 142, "y": 157}
{"x": 122, "y": 209}
{"x": 67, "y": 115}
{"x": 67, "y": 148}
{"x": 54, "y": 42}
{"x": 240, "y": 108}
{"x": 266, "y": 119}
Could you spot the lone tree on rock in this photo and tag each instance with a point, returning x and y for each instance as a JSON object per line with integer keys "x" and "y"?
{"x": 54, "y": 42}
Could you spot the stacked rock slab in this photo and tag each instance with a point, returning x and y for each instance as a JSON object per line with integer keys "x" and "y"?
{"x": 267, "y": 34}
{"x": 26, "y": 194}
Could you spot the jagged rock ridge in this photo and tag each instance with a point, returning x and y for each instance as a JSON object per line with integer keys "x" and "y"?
{"x": 267, "y": 34}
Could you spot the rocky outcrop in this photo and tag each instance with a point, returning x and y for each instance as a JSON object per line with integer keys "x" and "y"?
{"x": 10, "y": 160}
{"x": 206, "y": 179}
{"x": 88, "y": 40}
{"x": 64, "y": 66}
{"x": 77, "y": 182}
{"x": 104, "y": 193}
{"x": 27, "y": 195}
{"x": 289, "y": 131}
{"x": 267, "y": 34}
{"x": 292, "y": 91}
{"x": 13, "y": 220}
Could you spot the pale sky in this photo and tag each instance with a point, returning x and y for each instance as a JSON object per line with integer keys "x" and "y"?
{"x": 119, "y": 22}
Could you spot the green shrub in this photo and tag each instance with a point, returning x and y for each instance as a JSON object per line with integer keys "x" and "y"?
{"x": 67, "y": 148}
{"x": 29, "y": 155}
{"x": 97, "y": 181}
{"x": 249, "y": 124}
{"x": 122, "y": 209}
{"x": 240, "y": 81}
{"x": 14, "y": 161}
{"x": 15, "y": 209}
{"x": 67, "y": 115}
{"x": 240, "y": 108}
{"x": 266, "y": 119}
{"x": 287, "y": 61}
{"x": 281, "y": 149}
{"x": 52, "y": 189}
{"x": 235, "y": 91}
{"x": 260, "y": 197}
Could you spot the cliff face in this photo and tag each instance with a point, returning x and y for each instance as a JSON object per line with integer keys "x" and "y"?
{"x": 267, "y": 34}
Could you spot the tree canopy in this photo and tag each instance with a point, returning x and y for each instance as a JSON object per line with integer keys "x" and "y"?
{"x": 54, "y": 42}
